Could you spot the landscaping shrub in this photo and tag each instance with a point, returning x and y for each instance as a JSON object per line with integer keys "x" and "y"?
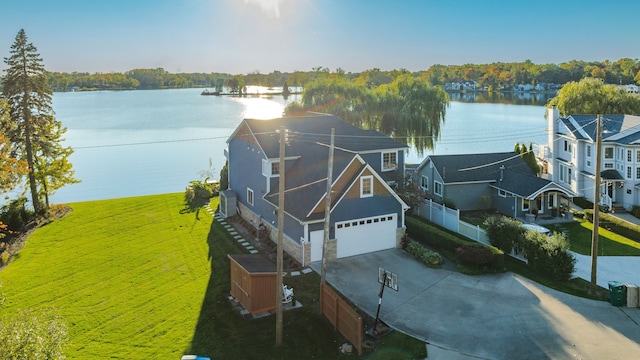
{"x": 439, "y": 238}
{"x": 16, "y": 215}
{"x": 549, "y": 255}
{"x": 616, "y": 225}
{"x": 504, "y": 232}
{"x": 474, "y": 254}
{"x": 430, "y": 258}
{"x": 635, "y": 211}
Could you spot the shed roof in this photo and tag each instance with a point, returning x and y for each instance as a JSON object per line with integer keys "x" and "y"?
{"x": 253, "y": 263}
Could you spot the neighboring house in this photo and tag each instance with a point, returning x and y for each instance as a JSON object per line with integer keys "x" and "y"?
{"x": 366, "y": 213}
{"x": 467, "y": 85}
{"x": 501, "y": 181}
{"x": 571, "y": 156}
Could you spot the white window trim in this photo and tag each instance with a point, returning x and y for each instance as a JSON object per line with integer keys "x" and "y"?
{"x": 424, "y": 183}
{"x": 267, "y": 168}
{"x": 527, "y": 203}
{"x": 605, "y": 152}
{"x": 362, "y": 181}
{"x": 250, "y": 196}
{"x": 395, "y": 165}
{"x": 435, "y": 188}
{"x": 502, "y": 193}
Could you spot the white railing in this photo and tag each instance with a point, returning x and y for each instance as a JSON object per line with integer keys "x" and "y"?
{"x": 605, "y": 200}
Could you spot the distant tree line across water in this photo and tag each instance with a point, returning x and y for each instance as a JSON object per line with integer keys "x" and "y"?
{"x": 488, "y": 77}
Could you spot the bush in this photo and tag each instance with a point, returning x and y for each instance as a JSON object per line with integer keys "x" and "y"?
{"x": 475, "y": 254}
{"x": 504, "y": 232}
{"x": 549, "y": 255}
{"x": 16, "y": 215}
{"x": 430, "y": 258}
{"x": 439, "y": 238}
{"x": 635, "y": 211}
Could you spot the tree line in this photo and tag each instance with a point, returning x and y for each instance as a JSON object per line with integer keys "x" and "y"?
{"x": 489, "y": 77}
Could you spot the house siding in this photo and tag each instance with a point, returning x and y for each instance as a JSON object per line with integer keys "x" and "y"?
{"x": 467, "y": 196}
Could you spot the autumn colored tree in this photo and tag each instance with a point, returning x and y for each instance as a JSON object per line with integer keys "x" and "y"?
{"x": 11, "y": 169}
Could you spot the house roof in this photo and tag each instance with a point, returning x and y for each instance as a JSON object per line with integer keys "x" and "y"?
{"x": 314, "y": 128}
{"x": 622, "y": 129}
{"x": 527, "y": 185}
{"x": 308, "y": 142}
{"x": 476, "y": 167}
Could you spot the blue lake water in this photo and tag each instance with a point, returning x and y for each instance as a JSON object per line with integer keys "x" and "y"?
{"x": 142, "y": 142}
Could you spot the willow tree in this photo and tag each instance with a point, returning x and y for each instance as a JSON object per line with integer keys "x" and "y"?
{"x": 592, "y": 96}
{"x": 32, "y": 128}
{"x": 412, "y": 109}
{"x": 338, "y": 96}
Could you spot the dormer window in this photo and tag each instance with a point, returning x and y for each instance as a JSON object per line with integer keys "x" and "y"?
{"x": 389, "y": 161}
{"x": 270, "y": 168}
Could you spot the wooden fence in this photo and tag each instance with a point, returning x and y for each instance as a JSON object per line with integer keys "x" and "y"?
{"x": 343, "y": 318}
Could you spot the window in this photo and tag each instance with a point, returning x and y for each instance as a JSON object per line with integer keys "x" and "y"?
{"x": 588, "y": 163}
{"x": 526, "y": 204}
{"x": 270, "y": 168}
{"x": 608, "y": 165}
{"x": 366, "y": 186}
{"x": 567, "y": 146}
{"x": 637, "y": 173}
{"x": 608, "y": 153}
{"x": 620, "y": 153}
{"x": 551, "y": 200}
{"x": 389, "y": 161}
{"x": 502, "y": 193}
{"x": 565, "y": 174}
{"x": 275, "y": 168}
{"x": 637, "y": 155}
{"x": 437, "y": 188}
{"x": 629, "y": 156}
{"x": 628, "y": 172}
{"x": 588, "y": 150}
{"x": 250, "y": 196}
{"x": 424, "y": 183}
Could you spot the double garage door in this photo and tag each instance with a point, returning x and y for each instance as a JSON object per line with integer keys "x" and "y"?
{"x": 366, "y": 235}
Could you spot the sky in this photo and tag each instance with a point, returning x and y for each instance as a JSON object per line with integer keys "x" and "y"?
{"x": 244, "y": 36}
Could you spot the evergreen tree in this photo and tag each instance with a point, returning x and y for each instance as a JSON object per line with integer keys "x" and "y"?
{"x": 33, "y": 131}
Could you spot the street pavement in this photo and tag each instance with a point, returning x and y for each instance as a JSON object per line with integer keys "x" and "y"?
{"x": 497, "y": 316}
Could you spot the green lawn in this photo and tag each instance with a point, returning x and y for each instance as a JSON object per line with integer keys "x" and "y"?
{"x": 136, "y": 278}
{"x": 609, "y": 243}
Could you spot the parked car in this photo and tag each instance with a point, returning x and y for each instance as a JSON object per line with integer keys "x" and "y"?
{"x": 538, "y": 228}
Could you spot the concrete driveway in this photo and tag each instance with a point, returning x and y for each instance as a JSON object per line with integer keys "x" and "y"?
{"x": 502, "y": 316}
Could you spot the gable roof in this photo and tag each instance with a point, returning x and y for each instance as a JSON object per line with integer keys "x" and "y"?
{"x": 476, "y": 167}
{"x": 309, "y": 141}
{"x": 622, "y": 129}
{"x": 314, "y": 128}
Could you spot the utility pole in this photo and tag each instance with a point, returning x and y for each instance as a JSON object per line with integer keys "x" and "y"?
{"x": 279, "y": 293}
{"x": 596, "y": 209}
{"x": 327, "y": 209}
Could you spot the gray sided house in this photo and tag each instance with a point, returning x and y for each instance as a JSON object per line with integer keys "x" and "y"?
{"x": 501, "y": 181}
{"x": 365, "y": 214}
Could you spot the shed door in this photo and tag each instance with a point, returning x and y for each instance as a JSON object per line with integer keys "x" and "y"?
{"x": 317, "y": 238}
{"x": 366, "y": 235}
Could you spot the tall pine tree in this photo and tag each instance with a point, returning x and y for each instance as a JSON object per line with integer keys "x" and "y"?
{"x": 33, "y": 131}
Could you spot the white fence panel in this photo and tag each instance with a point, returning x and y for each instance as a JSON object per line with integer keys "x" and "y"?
{"x": 450, "y": 219}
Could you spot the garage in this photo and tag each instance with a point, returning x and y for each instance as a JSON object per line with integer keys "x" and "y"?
{"x": 366, "y": 235}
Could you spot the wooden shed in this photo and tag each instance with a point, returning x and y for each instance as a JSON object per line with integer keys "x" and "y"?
{"x": 253, "y": 282}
